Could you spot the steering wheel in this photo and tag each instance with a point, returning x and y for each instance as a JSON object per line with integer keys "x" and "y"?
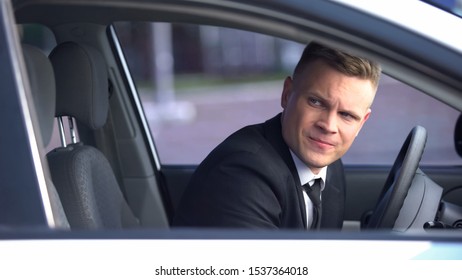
{"x": 399, "y": 180}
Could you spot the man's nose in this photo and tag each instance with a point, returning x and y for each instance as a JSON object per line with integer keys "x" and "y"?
{"x": 328, "y": 121}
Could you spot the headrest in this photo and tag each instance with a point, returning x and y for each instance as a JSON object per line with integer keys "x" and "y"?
{"x": 81, "y": 83}
{"x": 458, "y": 136}
{"x": 43, "y": 87}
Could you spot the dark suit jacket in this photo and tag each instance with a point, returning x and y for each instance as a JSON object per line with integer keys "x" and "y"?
{"x": 251, "y": 181}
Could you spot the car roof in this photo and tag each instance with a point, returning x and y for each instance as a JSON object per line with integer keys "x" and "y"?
{"x": 53, "y": 12}
{"x": 441, "y": 28}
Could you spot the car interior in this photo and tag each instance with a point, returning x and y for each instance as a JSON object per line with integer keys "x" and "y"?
{"x": 105, "y": 172}
{"x": 83, "y": 176}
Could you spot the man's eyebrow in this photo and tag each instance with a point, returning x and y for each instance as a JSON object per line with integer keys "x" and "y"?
{"x": 327, "y": 103}
{"x": 317, "y": 96}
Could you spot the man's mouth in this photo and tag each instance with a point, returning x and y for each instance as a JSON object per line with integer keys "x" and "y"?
{"x": 322, "y": 142}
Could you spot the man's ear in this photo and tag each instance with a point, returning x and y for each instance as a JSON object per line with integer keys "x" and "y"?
{"x": 366, "y": 117}
{"x": 286, "y": 92}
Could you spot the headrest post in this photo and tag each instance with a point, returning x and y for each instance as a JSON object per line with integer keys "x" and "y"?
{"x": 61, "y": 132}
{"x": 72, "y": 130}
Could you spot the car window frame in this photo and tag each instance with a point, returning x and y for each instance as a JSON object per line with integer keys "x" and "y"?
{"x": 22, "y": 158}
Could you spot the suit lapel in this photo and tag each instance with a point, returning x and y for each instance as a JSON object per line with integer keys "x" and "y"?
{"x": 332, "y": 195}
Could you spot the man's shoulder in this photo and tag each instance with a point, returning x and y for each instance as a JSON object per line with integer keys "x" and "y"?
{"x": 253, "y": 146}
{"x": 253, "y": 138}
{"x": 250, "y": 138}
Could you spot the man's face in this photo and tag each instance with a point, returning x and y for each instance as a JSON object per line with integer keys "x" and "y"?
{"x": 324, "y": 111}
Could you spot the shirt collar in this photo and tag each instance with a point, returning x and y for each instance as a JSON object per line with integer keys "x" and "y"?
{"x": 306, "y": 175}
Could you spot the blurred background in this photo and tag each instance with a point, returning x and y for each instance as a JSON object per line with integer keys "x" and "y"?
{"x": 198, "y": 84}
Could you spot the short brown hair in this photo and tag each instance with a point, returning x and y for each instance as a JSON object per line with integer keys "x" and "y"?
{"x": 341, "y": 61}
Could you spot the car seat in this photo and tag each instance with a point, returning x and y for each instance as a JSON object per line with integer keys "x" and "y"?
{"x": 89, "y": 191}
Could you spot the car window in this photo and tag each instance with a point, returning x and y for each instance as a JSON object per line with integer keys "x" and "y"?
{"x": 198, "y": 84}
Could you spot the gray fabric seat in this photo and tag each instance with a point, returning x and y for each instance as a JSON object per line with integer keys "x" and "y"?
{"x": 43, "y": 89}
{"x": 89, "y": 191}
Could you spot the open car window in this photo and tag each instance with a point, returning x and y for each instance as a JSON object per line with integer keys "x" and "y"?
{"x": 198, "y": 84}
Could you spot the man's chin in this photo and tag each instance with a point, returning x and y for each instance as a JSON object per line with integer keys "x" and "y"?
{"x": 315, "y": 166}
{"x": 317, "y": 160}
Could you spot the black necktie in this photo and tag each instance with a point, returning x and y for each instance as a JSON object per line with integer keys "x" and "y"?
{"x": 314, "y": 193}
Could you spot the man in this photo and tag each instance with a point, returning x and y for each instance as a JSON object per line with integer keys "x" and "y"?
{"x": 264, "y": 175}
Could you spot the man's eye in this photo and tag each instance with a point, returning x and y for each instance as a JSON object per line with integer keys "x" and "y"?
{"x": 314, "y": 101}
{"x": 347, "y": 116}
